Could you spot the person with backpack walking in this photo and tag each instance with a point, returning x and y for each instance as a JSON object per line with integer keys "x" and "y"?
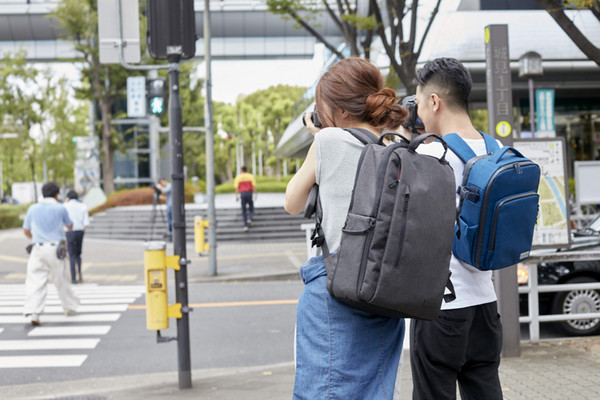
{"x": 245, "y": 187}
{"x": 342, "y": 352}
{"x": 464, "y": 343}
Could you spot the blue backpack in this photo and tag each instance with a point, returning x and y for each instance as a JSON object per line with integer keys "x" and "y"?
{"x": 498, "y": 205}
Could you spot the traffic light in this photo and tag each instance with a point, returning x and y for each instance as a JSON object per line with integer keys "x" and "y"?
{"x": 171, "y": 28}
{"x": 157, "y": 95}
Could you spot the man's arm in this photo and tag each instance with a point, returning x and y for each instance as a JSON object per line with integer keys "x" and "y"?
{"x": 27, "y": 233}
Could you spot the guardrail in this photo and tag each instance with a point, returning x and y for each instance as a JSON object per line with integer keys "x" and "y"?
{"x": 533, "y": 290}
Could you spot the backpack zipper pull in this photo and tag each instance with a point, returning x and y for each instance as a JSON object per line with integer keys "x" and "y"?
{"x": 518, "y": 169}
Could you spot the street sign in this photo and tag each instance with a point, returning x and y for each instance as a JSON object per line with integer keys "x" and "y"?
{"x": 499, "y": 88}
{"x": 110, "y": 34}
{"x": 136, "y": 96}
{"x": 544, "y": 111}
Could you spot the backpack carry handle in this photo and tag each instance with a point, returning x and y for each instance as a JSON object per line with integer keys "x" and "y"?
{"x": 388, "y": 132}
{"x": 497, "y": 156}
{"x": 412, "y": 147}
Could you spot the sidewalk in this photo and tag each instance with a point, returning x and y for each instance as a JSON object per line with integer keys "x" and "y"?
{"x": 553, "y": 369}
{"x": 565, "y": 369}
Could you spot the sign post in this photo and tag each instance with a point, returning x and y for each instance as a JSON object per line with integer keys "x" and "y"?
{"x": 500, "y": 118}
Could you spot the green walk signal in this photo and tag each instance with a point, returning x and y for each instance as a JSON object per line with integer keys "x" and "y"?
{"x": 157, "y": 105}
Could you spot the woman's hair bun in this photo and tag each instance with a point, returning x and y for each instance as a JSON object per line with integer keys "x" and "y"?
{"x": 383, "y": 110}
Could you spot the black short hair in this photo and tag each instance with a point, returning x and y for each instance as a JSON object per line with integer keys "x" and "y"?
{"x": 451, "y": 75}
{"x": 72, "y": 194}
{"x": 244, "y": 169}
{"x": 50, "y": 189}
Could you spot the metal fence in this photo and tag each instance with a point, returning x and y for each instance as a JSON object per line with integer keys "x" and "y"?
{"x": 532, "y": 289}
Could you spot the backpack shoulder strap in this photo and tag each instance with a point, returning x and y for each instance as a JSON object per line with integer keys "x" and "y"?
{"x": 459, "y": 147}
{"x": 365, "y": 136}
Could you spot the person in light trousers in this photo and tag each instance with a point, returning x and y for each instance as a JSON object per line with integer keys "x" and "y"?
{"x": 44, "y": 226}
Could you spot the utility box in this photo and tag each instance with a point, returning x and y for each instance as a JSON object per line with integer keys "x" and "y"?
{"x": 171, "y": 28}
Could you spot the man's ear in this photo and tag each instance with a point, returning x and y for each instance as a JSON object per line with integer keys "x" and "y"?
{"x": 435, "y": 102}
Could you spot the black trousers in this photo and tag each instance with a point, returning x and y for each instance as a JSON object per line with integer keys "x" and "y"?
{"x": 74, "y": 242}
{"x": 461, "y": 345}
{"x": 247, "y": 202}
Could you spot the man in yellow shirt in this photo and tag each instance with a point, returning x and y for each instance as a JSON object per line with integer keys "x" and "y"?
{"x": 245, "y": 186}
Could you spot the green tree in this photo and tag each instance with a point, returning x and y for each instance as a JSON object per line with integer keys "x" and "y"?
{"x": 265, "y": 114}
{"x": 101, "y": 83}
{"x": 386, "y": 18}
{"x": 33, "y": 100}
{"x": 556, "y": 9}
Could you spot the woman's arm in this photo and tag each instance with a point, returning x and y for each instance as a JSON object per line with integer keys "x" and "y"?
{"x": 299, "y": 186}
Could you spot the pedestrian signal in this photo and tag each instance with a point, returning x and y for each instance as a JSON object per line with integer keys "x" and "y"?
{"x": 157, "y": 93}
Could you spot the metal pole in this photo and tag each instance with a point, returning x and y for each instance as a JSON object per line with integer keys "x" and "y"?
{"x": 177, "y": 185}
{"x": 210, "y": 148}
{"x": 531, "y": 107}
{"x": 1, "y": 180}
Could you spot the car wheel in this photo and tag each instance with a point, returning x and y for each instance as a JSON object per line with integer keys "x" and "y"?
{"x": 577, "y": 302}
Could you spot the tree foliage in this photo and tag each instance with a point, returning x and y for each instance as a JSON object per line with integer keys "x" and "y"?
{"x": 556, "y": 9}
{"x": 35, "y": 104}
{"x": 101, "y": 83}
{"x": 393, "y": 21}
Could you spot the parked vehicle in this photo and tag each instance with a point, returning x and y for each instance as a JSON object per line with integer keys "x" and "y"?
{"x": 574, "y": 301}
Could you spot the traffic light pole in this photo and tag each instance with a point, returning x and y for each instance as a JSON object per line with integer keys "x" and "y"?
{"x": 181, "y": 282}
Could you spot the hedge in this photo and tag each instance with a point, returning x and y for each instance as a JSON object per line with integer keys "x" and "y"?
{"x": 264, "y": 184}
{"x": 10, "y": 215}
{"x": 141, "y": 196}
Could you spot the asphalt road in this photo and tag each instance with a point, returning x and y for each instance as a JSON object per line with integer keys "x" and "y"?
{"x": 233, "y": 324}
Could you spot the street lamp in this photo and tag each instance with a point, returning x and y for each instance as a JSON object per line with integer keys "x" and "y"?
{"x": 530, "y": 65}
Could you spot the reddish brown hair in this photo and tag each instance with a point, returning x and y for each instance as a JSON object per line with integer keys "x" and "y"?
{"x": 356, "y": 86}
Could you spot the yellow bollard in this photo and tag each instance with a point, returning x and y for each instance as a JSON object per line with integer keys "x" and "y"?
{"x": 199, "y": 237}
{"x": 155, "y": 271}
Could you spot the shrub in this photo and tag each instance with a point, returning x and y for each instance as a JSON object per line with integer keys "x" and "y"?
{"x": 141, "y": 196}
{"x": 264, "y": 184}
{"x": 10, "y": 215}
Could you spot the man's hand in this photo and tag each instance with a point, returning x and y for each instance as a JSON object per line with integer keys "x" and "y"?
{"x": 27, "y": 233}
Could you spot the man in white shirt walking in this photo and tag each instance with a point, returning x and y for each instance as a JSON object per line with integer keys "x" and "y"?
{"x": 78, "y": 213}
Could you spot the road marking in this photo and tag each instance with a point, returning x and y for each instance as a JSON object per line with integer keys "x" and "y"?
{"x": 99, "y": 317}
{"x": 229, "y": 304}
{"x": 293, "y": 259}
{"x": 19, "y": 276}
{"x": 13, "y": 259}
{"x": 56, "y": 301}
{"x": 70, "y": 330}
{"x": 42, "y": 361}
{"x": 81, "y": 309}
{"x": 1, "y": 330}
{"x": 49, "y": 344}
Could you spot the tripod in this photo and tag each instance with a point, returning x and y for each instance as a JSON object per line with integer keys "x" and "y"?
{"x": 155, "y": 210}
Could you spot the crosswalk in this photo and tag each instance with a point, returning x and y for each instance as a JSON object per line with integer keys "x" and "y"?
{"x": 60, "y": 341}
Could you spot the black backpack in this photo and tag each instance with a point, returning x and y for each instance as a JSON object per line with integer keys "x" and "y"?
{"x": 394, "y": 255}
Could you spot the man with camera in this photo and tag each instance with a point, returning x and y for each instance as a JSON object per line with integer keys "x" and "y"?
{"x": 163, "y": 190}
{"x": 44, "y": 226}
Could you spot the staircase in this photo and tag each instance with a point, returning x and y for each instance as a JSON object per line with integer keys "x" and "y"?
{"x": 134, "y": 223}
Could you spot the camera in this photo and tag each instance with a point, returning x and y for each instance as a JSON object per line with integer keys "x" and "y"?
{"x": 414, "y": 123}
{"x": 313, "y": 117}
{"x": 157, "y": 190}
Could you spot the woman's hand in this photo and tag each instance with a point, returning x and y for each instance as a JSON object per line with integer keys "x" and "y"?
{"x": 309, "y": 124}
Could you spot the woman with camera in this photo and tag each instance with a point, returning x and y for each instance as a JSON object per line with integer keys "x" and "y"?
{"x": 342, "y": 352}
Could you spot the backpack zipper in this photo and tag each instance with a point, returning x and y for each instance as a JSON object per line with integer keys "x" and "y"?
{"x": 403, "y": 230}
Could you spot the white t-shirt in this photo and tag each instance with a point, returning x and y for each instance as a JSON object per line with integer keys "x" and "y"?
{"x": 472, "y": 286}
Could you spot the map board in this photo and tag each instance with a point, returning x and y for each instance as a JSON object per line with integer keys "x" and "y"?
{"x": 553, "y": 227}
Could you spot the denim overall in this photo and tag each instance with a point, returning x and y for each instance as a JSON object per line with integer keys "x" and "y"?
{"x": 342, "y": 353}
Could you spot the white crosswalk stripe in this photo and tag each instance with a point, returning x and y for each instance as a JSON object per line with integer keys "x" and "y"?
{"x": 100, "y": 305}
